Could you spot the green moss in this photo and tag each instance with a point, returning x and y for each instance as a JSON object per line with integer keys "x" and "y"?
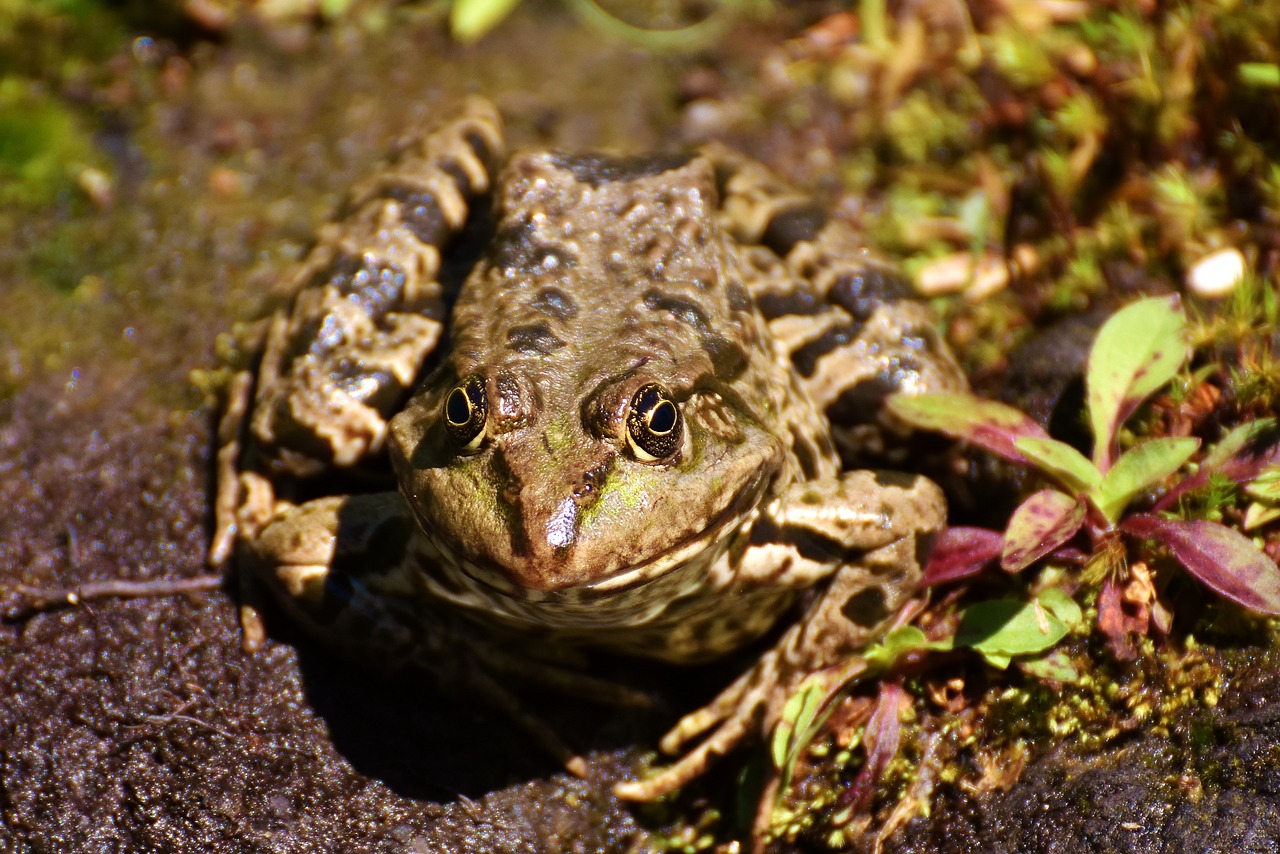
{"x": 42, "y": 145}
{"x": 49, "y": 38}
{"x": 1019, "y": 57}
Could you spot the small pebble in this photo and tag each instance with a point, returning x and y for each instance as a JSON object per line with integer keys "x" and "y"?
{"x": 1216, "y": 274}
{"x": 951, "y": 273}
{"x": 97, "y": 185}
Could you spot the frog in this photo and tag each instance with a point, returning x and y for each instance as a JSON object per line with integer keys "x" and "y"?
{"x": 522, "y": 406}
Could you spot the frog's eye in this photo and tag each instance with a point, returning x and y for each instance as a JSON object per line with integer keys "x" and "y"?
{"x": 465, "y": 413}
{"x": 653, "y": 424}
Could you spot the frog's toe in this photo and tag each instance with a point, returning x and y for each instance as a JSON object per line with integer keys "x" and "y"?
{"x": 730, "y": 718}
{"x": 726, "y": 737}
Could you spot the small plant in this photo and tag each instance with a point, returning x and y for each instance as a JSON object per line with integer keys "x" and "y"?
{"x": 471, "y": 20}
{"x": 1137, "y": 352}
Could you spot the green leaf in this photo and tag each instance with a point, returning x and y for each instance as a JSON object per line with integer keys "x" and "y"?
{"x": 1140, "y": 467}
{"x": 1256, "y": 515}
{"x": 1061, "y": 605}
{"x": 997, "y": 660}
{"x": 881, "y": 656}
{"x": 1264, "y": 75}
{"x": 1005, "y": 628}
{"x": 469, "y": 20}
{"x": 986, "y": 423}
{"x": 1237, "y": 440}
{"x": 1266, "y": 486}
{"x": 1043, "y": 522}
{"x": 1138, "y": 350}
{"x": 798, "y": 716}
{"x": 1061, "y": 462}
{"x": 1053, "y": 666}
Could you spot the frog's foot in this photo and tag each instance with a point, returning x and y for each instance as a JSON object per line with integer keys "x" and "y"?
{"x": 734, "y": 714}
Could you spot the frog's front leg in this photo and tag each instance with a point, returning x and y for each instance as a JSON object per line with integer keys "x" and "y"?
{"x": 868, "y": 534}
{"x": 368, "y": 310}
{"x": 351, "y": 570}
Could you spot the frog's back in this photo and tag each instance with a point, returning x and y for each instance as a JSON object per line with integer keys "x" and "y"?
{"x": 601, "y": 264}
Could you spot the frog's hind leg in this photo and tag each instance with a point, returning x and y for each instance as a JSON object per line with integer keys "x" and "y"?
{"x": 834, "y": 536}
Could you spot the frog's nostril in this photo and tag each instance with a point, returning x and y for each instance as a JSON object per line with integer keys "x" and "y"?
{"x": 587, "y": 491}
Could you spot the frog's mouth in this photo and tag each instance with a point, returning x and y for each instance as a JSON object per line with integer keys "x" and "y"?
{"x": 682, "y": 565}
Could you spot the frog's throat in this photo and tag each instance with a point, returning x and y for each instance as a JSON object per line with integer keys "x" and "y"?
{"x": 708, "y": 543}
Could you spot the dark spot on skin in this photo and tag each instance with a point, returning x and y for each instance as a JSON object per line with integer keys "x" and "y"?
{"x": 376, "y": 287}
{"x": 861, "y": 402}
{"x": 739, "y": 299}
{"x": 727, "y": 358}
{"x": 890, "y": 479}
{"x": 805, "y": 358}
{"x": 805, "y": 456}
{"x": 515, "y": 249}
{"x": 866, "y": 608}
{"x": 597, "y": 169}
{"x": 861, "y": 293}
{"x": 774, "y": 304}
{"x": 918, "y": 340}
{"x": 684, "y": 310}
{"x": 807, "y": 543}
{"x": 533, "y": 339}
{"x": 556, "y": 303}
{"x": 924, "y": 548}
{"x": 421, "y": 213}
{"x": 793, "y": 226}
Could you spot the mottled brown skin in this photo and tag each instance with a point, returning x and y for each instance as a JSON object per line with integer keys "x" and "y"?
{"x": 625, "y": 442}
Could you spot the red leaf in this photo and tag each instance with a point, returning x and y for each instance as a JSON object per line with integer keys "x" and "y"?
{"x": 1252, "y": 451}
{"x": 1043, "y": 522}
{"x": 880, "y": 741}
{"x": 1226, "y": 561}
{"x": 1115, "y": 623}
{"x": 988, "y": 424}
{"x": 961, "y": 552}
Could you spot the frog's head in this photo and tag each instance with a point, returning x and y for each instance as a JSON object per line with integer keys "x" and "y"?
{"x": 530, "y": 486}
{"x": 603, "y": 415}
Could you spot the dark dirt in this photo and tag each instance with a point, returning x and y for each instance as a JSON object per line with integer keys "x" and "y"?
{"x": 1212, "y": 786}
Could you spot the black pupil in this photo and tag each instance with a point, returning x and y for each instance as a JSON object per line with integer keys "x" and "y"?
{"x": 457, "y": 407}
{"x": 662, "y": 417}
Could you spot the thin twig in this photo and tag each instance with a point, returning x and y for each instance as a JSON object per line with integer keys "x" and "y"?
{"x": 42, "y": 599}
